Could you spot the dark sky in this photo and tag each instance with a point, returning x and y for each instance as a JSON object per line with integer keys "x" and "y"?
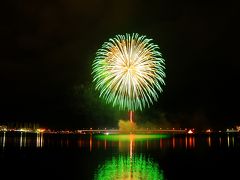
{"x": 47, "y": 48}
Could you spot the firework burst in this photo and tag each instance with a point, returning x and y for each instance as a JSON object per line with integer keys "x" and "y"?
{"x": 129, "y": 71}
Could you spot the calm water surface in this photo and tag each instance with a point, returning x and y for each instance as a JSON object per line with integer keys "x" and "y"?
{"x": 55, "y": 156}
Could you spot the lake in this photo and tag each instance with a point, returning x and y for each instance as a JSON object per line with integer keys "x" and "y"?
{"x": 75, "y": 156}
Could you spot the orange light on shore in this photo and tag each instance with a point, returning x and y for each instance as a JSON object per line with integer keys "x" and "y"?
{"x": 208, "y": 131}
{"x": 190, "y": 131}
{"x": 41, "y": 130}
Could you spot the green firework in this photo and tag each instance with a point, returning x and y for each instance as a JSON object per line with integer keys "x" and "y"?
{"x": 128, "y": 70}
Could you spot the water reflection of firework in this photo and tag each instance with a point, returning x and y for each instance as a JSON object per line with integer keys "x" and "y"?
{"x": 126, "y": 167}
{"x": 129, "y": 137}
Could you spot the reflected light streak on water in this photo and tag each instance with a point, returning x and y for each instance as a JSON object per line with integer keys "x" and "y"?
{"x": 80, "y": 143}
{"x": 209, "y": 141}
{"x": 25, "y": 140}
{"x": 189, "y": 142}
{"x": 39, "y": 141}
{"x": 175, "y": 142}
{"x": 4, "y": 140}
{"x": 90, "y": 143}
{"x": 228, "y": 141}
{"x": 20, "y": 145}
{"x": 131, "y": 145}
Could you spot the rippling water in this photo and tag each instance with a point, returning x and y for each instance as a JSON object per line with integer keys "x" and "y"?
{"x": 55, "y": 156}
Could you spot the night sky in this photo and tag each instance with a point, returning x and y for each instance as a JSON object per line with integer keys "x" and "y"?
{"x": 47, "y": 48}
